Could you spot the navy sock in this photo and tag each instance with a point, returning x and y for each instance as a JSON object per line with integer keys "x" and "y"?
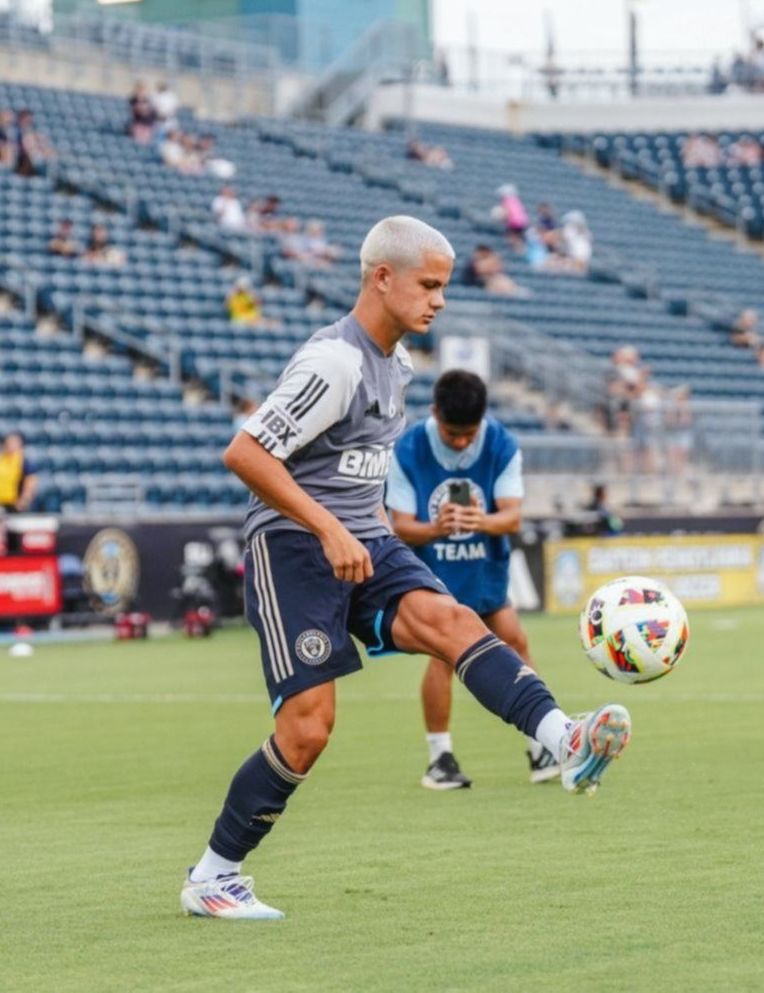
{"x": 499, "y": 679}
{"x": 256, "y": 799}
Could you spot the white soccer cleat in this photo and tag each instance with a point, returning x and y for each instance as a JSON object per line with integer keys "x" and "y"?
{"x": 230, "y": 896}
{"x": 591, "y": 744}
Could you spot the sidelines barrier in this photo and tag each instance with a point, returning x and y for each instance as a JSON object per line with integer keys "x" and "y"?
{"x": 703, "y": 570}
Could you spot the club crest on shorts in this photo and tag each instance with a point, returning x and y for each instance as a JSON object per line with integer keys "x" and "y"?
{"x": 313, "y": 647}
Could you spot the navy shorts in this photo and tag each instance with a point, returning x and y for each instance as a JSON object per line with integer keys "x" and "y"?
{"x": 305, "y": 617}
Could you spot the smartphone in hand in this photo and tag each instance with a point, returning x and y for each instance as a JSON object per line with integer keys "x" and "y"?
{"x": 459, "y": 492}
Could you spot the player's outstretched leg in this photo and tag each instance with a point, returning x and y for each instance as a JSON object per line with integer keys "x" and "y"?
{"x": 499, "y": 679}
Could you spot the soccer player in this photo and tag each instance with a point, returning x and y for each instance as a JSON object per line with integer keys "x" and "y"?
{"x": 322, "y": 563}
{"x": 455, "y": 492}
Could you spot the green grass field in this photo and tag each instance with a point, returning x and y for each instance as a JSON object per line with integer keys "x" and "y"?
{"x": 115, "y": 758}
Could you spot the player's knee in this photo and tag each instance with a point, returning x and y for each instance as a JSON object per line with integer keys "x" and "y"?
{"x": 455, "y": 617}
{"x": 310, "y": 737}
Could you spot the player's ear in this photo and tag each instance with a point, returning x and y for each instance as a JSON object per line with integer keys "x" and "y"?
{"x": 382, "y": 277}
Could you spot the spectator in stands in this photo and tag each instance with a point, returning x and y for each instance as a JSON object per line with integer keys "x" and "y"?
{"x": 310, "y": 248}
{"x": 171, "y": 149}
{"x": 441, "y": 71}
{"x": 678, "y": 426}
{"x": 575, "y": 243}
{"x": 243, "y": 304}
{"x": 100, "y": 251}
{"x": 434, "y": 156}
{"x": 756, "y": 63}
{"x": 511, "y": 210}
{"x": 485, "y": 268}
{"x": 264, "y": 216}
{"x": 624, "y": 380}
{"x": 18, "y": 476}
{"x": 740, "y": 72}
{"x": 744, "y": 329}
{"x": 165, "y": 102}
{"x": 717, "y": 80}
{"x": 536, "y": 253}
{"x": 212, "y": 163}
{"x": 648, "y": 423}
{"x": 228, "y": 210}
{"x": 8, "y": 138}
{"x": 63, "y": 241}
{"x": 701, "y": 151}
{"x": 547, "y": 226}
{"x": 143, "y": 116}
{"x": 746, "y": 151}
{"x": 33, "y": 149}
{"x": 192, "y": 157}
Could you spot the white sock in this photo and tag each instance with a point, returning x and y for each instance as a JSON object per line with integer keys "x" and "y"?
{"x": 211, "y": 865}
{"x": 438, "y": 742}
{"x": 534, "y": 747}
{"x": 551, "y": 729}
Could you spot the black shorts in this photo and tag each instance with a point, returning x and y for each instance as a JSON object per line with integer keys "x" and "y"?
{"x": 305, "y": 617}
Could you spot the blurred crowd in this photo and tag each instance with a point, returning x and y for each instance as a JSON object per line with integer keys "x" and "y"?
{"x": 700, "y": 150}
{"x": 547, "y": 243}
{"x": 743, "y": 71}
{"x": 657, "y": 420}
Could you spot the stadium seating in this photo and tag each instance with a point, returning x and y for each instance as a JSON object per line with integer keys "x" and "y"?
{"x": 168, "y": 298}
{"x": 732, "y": 193}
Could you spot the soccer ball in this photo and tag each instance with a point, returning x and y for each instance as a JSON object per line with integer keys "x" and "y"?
{"x": 634, "y": 629}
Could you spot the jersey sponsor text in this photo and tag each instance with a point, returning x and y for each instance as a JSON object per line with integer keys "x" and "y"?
{"x": 366, "y": 463}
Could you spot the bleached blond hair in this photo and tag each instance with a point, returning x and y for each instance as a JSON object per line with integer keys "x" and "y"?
{"x": 401, "y": 241}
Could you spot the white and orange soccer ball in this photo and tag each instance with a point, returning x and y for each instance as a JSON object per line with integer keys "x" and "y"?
{"x": 634, "y": 629}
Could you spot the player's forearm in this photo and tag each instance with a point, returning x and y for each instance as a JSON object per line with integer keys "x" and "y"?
{"x": 416, "y": 532}
{"x": 269, "y": 480}
{"x": 502, "y": 522}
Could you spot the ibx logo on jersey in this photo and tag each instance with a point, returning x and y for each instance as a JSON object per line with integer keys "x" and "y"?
{"x": 371, "y": 464}
{"x": 280, "y": 428}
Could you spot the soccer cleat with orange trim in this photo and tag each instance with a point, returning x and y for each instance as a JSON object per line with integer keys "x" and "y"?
{"x": 230, "y": 896}
{"x": 590, "y": 745}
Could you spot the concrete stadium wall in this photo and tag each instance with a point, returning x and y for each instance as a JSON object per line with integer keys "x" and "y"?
{"x": 86, "y": 71}
{"x": 449, "y": 106}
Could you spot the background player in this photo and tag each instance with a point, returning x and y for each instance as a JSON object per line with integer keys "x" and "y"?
{"x": 455, "y": 492}
{"x": 322, "y": 563}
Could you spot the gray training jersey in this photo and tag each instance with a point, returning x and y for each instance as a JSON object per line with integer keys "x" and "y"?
{"x": 333, "y": 419}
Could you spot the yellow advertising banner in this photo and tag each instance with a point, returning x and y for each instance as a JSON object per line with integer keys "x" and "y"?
{"x": 703, "y": 570}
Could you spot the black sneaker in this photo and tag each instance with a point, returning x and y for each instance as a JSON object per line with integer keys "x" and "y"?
{"x": 444, "y": 774}
{"x": 544, "y": 766}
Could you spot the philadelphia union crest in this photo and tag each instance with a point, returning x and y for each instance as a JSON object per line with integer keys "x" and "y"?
{"x": 313, "y": 647}
{"x": 439, "y": 496}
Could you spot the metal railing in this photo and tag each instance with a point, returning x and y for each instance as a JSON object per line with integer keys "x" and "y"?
{"x": 597, "y": 76}
{"x": 385, "y": 51}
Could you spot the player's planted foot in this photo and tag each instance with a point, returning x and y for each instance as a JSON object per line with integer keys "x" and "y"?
{"x": 230, "y": 896}
{"x": 590, "y": 745}
{"x": 544, "y": 766}
{"x": 444, "y": 774}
